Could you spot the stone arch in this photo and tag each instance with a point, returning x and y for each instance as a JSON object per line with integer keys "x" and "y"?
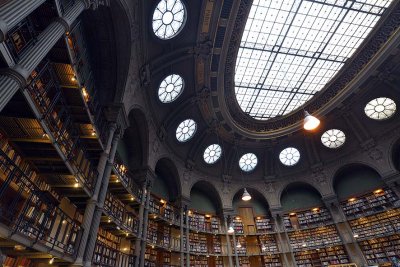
{"x": 357, "y": 176}
{"x": 210, "y": 189}
{"x": 300, "y": 187}
{"x": 257, "y": 198}
{"x": 166, "y": 170}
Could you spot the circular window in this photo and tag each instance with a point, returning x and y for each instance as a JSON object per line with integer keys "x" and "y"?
{"x": 170, "y": 88}
{"x": 248, "y": 162}
{"x": 333, "y": 138}
{"x": 168, "y": 18}
{"x": 212, "y": 153}
{"x": 289, "y": 156}
{"x": 381, "y": 108}
{"x": 186, "y": 129}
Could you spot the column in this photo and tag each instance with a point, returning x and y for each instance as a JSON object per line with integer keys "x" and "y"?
{"x": 282, "y": 238}
{"x": 140, "y": 228}
{"x": 145, "y": 221}
{"x": 235, "y": 249}
{"x": 92, "y": 202}
{"x": 228, "y": 241}
{"x": 100, "y": 203}
{"x": 187, "y": 237}
{"x": 12, "y": 12}
{"x": 346, "y": 235}
{"x": 16, "y": 77}
{"x": 182, "y": 260}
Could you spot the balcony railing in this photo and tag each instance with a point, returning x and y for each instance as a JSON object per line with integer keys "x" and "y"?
{"x": 121, "y": 216}
{"x": 126, "y": 178}
{"x": 34, "y": 213}
{"x": 50, "y": 103}
{"x": 81, "y": 59}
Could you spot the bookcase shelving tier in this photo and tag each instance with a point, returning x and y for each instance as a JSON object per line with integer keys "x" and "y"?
{"x": 321, "y": 257}
{"x": 381, "y": 224}
{"x": 314, "y": 237}
{"x": 381, "y": 250}
{"x": 264, "y": 224}
{"x": 307, "y": 219}
{"x": 272, "y": 260}
{"x": 238, "y": 225}
{"x": 244, "y": 262}
{"x": 204, "y": 222}
{"x": 268, "y": 243}
{"x": 375, "y": 202}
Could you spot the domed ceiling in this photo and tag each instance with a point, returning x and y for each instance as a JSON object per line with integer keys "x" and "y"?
{"x": 228, "y": 81}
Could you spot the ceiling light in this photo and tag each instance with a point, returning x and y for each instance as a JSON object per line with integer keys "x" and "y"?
{"x": 73, "y": 79}
{"x": 76, "y": 184}
{"x": 304, "y": 245}
{"x": 378, "y": 191}
{"x": 355, "y": 235}
{"x": 246, "y": 196}
{"x": 239, "y": 245}
{"x": 352, "y": 199}
{"x": 51, "y": 261}
{"x": 231, "y": 230}
{"x": 310, "y": 122}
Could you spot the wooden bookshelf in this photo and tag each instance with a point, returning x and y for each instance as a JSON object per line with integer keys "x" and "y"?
{"x": 314, "y": 238}
{"x": 307, "y": 219}
{"x": 150, "y": 257}
{"x": 242, "y": 249}
{"x": 198, "y": 243}
{"x": 380, "y": 250}
{"x": 216, "y": 244}
{"x": 374, "y": 202}
{"x": 264, "y": 224}
{"x": 238, "y": 225}
{"x": 152, "y": 232}
{"x": 271, "y": 260}
{"x": 321, "y": 257}
{"x": 268, "y": 244}
{"x": 244, "y": 262}
{"x": 381, "y": 224}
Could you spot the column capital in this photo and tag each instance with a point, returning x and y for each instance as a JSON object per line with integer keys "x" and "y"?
{"x": 276, "y": 211}
{"x": 330, "y": 200}
{"x": 144, "y": 176}
{"x": 17, "y": 73}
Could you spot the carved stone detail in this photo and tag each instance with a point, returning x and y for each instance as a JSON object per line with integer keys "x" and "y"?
{"x": 227, "y": 180}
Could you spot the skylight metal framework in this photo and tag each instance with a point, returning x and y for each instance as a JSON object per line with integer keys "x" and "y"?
{"x": 291, "y": 49}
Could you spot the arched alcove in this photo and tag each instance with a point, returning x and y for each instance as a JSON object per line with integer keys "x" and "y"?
{"x": 396, "y": 155}
{"x": 133, "y": 147}
{"x": 258, "y": 203}
{"x": 298, "y": 196}
{"x": 204, "y": 198}
{"x": 356, "y": 179}
{"x": 166, "y": 183}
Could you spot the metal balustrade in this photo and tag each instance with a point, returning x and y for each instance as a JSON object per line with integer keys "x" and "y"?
{"x": 47, "y": 96}
{"x": 126, "y": 178}
{"x": 34, "y": 213}
{"x": 80, "y": 58}
{"x": 115, "y": 209}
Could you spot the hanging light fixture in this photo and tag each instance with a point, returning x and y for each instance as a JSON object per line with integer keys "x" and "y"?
{"x": 230, "y": 229}
{"x": 238, "y": 245}
{"x": 310, "y": 122}
{"x": 246, "y": 196}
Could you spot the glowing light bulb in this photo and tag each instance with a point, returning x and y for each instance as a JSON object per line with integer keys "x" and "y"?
{"x": 310, "y": 122}
{"x": 246, "y": 196}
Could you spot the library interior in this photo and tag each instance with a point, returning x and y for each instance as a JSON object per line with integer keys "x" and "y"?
{"x": 200, "y": 133}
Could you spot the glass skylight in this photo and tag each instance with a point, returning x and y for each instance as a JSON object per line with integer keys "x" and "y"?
{"x": 186, "y": 129}
{"x": 291, "y": 49}
{"x": 170, "y": 88}
{"x": 289, "y": 156}
{"x": 248, "y": 162}
{"x": 333, "y": 138}
{"x": 380, "y": 108}
{"x": 212, "y": 153}
{"x": 168, "y": 18}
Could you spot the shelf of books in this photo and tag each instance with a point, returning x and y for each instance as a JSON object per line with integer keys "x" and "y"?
{"x": 31, "y": 211}
{"x": 321, "y": 257}
{"x": 198, "y": 243}
{"x": 16, "y": 261}
{"x": 118, "y": 211}
{"x": 271, "y": 260}
{"x": 107, "y": 248}
{"x": 314, "y": 238}
{"x": 160, "y": 208}
{"x": 381, "y": 250}
{"x": 244, "y": 262}
{"x": 374, "y": 202}
{"x": 241, "y": 245}
{"x": 264, "y": 224}
{"x": 381, "y": 224}
{"x": 238, "y": 225}
{"x": 152, "y": 232}
{"x": 307, "y": 218}
{"x": 268, "y": 244}
{"x": 204, "y": 222}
